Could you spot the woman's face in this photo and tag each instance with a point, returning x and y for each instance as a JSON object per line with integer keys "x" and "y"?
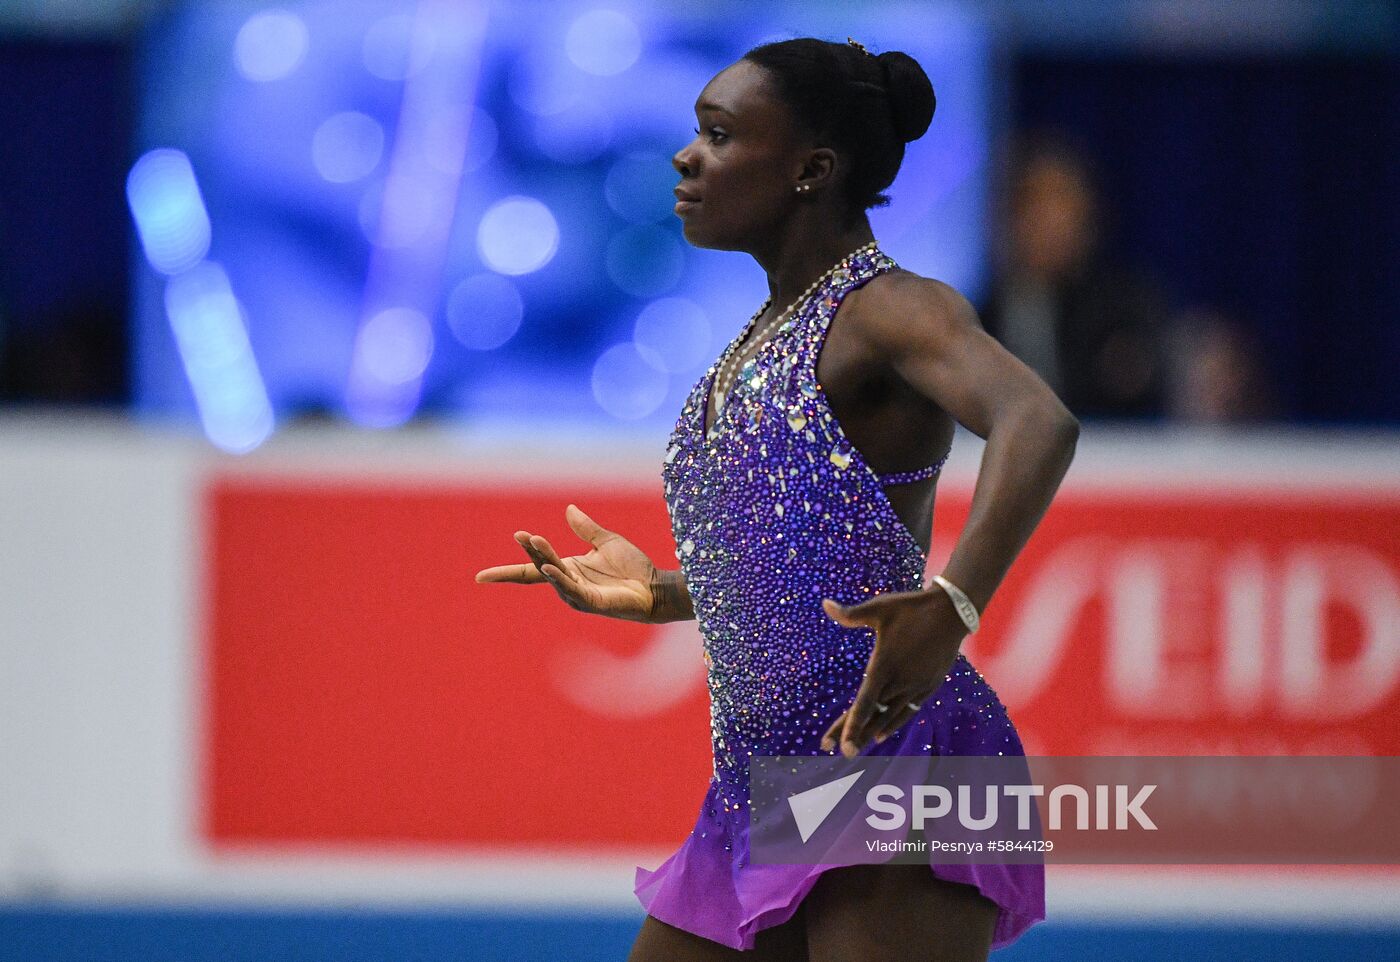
{"x": 739, "y": 174}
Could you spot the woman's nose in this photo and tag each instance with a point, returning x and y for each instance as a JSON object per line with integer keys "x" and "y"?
{"x": 683, "y": 161}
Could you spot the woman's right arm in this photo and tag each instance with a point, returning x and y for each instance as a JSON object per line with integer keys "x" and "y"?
{"x": 614, "y": 579}
{"x": 670, "y": 597}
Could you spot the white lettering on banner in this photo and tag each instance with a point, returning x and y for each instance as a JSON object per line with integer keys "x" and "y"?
{"x": 1039, "y": 631}
{"x": 1316, "y": 576}
{"x": 1244, "y": 608}
{"x": 1165, "y": 656}
{"x": 1155, "y": 660}
{"x": 1190, "y": 630}
{"x": 666, "y": 671}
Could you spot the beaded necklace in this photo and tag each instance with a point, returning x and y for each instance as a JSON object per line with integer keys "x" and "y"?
{"x": 725, "y": 382}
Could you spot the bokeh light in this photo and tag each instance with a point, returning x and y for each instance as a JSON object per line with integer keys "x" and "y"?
{"x": 212, "y": 340}
{"x": 347, "y": 146}
{"x": 169, "y": 212}
{"x": 506, "y": 173}
{"x": 395, "y": 345}
{"x": 603, "y": 42}
{"x": 673, "y": 334}
{"x": 398, "y": 226}
{"x": 625, "y": 385}
{"x": 517, "y": 235}
{"x": 484, "y": 311}
{"x": 394, "y": 50}
{"x": 270, "y": 45}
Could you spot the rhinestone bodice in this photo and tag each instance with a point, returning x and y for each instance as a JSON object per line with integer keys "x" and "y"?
{"x": 774, "y": 513}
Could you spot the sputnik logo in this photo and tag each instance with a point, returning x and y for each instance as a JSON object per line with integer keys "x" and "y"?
{"x": 810, "y": 808}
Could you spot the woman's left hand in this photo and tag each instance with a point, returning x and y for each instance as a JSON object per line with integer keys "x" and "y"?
{"x": 917, "y": 634}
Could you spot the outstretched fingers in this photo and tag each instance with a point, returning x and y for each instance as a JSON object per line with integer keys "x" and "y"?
{"x": 517, "y": 574}
{"x": 540, "y": 550}
{"x": 523, "y": 574}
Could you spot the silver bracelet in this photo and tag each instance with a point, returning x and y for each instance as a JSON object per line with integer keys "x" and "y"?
{"x": 966, "y": 610}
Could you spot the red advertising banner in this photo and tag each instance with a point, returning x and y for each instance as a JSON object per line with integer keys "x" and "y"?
{"x": 362, "y": 689}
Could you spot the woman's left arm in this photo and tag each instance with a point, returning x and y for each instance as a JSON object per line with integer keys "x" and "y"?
{"x": 933, "y": 340}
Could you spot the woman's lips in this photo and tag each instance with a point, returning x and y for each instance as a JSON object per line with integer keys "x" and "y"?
{"x": 685, "y": 200}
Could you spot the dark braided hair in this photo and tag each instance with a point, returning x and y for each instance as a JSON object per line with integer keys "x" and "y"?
{"x": 864, "y": 106}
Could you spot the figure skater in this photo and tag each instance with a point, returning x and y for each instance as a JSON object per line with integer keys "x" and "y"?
{"x": 800, "y": 482}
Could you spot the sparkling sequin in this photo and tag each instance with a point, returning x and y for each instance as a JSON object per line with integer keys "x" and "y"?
{"x": 784, "y": 516}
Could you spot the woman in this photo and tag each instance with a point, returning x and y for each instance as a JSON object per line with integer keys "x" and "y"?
{"x": 801, "y": 474}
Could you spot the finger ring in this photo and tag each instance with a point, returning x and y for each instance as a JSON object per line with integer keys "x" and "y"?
{"x": 881, "y": 708}
{"x": 914, "y": 705}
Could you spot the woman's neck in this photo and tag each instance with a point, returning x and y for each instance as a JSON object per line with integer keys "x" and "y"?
{"x": 804, "y": 256}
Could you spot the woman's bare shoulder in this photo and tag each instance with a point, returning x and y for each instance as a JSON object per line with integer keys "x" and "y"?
{"x": 901, "y": 308}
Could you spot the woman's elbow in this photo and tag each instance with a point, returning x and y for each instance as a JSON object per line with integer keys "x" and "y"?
{"x": 1052, "y": 420}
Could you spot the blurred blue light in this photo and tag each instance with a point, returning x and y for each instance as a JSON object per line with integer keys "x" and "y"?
{"x": 603, "y": 42}
{"x": 484, "y": 311}
{"x": 270, "y": 45}
{"x": 575, "y": 135}
{"x": 592, "y": 145}
{"x": 639, "y": 186}
{"x": 402, "y": 224}
{"x": 218, "y": 360}
{"x": 542, "y": 84}
{"x": 673, "y": 334}
{"x": 625, "y": 385}
{"x": 442, "y": 141}
{"x": 168, "y": 209}
{"x": 517, "y": 235}
{"x": 394, "y": 50}
{"x": 482, "y": 137}
{"x": 347, "y": 146}
{"x": 391, "y": 352}
{"x": 646, "y": 261}
{"x": 395, "y": 346}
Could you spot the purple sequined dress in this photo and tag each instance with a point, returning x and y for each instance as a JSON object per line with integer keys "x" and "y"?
{"x": 771, "y": 515}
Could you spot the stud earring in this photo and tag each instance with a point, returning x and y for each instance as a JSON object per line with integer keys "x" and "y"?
{"x": 804, "y": 187}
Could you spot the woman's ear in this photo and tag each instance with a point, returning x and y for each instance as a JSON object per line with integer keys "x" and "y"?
{"x": 819, "y": 170}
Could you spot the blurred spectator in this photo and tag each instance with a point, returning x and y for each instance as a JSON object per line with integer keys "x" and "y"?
{"x": 1216, "y": 374}
{"x": 1091, "y": 329}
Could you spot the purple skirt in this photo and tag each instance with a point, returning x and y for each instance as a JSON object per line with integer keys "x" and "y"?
{"x": 710, "y": 888}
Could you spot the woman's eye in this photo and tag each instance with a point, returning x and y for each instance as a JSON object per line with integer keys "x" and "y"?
{"x": 715, "y": 133}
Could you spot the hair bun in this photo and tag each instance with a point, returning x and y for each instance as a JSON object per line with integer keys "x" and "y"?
{"x": 911, "y": 94}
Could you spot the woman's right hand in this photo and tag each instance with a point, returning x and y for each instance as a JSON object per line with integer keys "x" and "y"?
{"x": 615, "y": 579}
